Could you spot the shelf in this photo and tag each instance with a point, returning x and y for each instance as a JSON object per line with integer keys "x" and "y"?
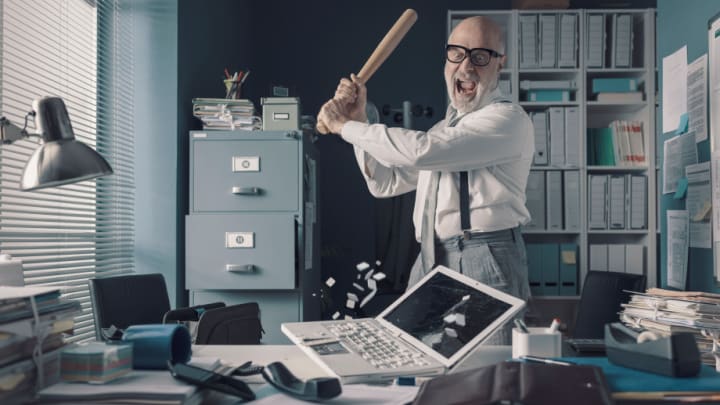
{"x": 548, "y": 70}
{"x": 541, "y": 168}
{"x": 616, "y": 70}
{"x": 549, "y": 103}
{"x": 617, "y": 168}
{"x": 547, "y": 232}
{"x": 617, "y": 232}
{"x": 614, "y": 108}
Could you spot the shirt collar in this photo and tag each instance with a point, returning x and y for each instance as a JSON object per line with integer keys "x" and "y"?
{"x": 489, "y": 98}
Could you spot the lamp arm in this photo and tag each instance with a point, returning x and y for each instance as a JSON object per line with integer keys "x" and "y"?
{"x": 10, "y": 132}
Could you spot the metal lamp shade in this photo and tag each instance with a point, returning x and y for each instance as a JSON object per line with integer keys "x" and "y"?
{"x": 61, "y": 159}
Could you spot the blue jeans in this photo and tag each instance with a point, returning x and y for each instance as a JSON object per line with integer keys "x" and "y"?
{"x": 497, "y": 259}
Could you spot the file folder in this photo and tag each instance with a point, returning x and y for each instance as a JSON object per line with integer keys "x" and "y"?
{"x": 617, "y": 202}
{"x": 534, "y": 253}
{"x": 616, "y": 258}
{"x": 597, "y": 190}
{"x": 568, "y": 269}
{"x": 554, "y": 202}
{"x": 638, "y": 202}
{"x": 539, "y": 120}
{"x": 635, "y": 259}
{"x": 548, "y": 39}
{"x": 567, "y": 56}
{"x": 622, "y": 44}
{"x": 551, "y": 269}
{"x": 548, "y": 95}
{"x": 599, "y": 257}
{"x": 571, "y": 195}
{"x": 572, "y": 136}
{"x": 557, "y": 136}
{"x": 535, "y": 200}
{"x": 528, "y": 41}
{"x": 596, "y": 41}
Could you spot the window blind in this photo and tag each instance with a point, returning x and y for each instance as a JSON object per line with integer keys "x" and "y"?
{"x": 78, "y": 50}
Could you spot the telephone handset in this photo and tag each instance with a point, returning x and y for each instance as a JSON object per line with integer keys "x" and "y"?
{"x": 314, "y": 389}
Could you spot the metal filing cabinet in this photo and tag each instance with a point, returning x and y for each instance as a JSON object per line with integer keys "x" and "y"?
{"x": 251, "y": 234}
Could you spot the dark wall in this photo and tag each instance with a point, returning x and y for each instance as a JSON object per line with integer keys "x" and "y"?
{"x": 308, "y": 46}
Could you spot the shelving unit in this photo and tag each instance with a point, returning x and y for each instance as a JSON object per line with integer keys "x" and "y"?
{"x": 592, "y": 114}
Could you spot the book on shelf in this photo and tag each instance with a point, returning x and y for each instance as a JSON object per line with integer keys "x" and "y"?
{"x": 620, "y": 97}
{"x": 548, "y": 95}
{"x": 621, "y": 144}
{"x": 548, "y": 85}
{"x": 614, "y": 84}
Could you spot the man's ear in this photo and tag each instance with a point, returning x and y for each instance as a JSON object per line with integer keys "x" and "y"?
{"x": 503, "y": 59}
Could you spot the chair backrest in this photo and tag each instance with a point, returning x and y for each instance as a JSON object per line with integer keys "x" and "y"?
{"x": 132, "y": 299}
{"x": 600, "y": 301}
{"x": 232, "y": 325}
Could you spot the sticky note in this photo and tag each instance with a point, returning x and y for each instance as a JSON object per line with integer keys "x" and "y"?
{"x": 372, "y": 284}
{"x": 568, "y": 257}
{"x": 451, "y": 332}
{"x": 379, "y": 276}
{"x": 378, "y": 262}
{"x": 350, "y": 304}
{"x": 358, "y": 286}
{"x": 330, "y": 282}
{"x": 336, "y": 315}
{"x": 460, "y": 319}
{"x": 450, "y": 318}
{"x": 362, "y": 266}
{"x": 683, "y": 126}
{"x": 352, "y": 297}
{"x": 703, "y": 213}
{"x": 682, "y": 186}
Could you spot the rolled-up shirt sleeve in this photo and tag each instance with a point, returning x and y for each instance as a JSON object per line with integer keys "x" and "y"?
{"x": 383, "y": 181}
{"x": 493, "y": 135}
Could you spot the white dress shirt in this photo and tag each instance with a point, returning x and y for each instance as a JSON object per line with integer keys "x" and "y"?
{"x": 494, "y": 144}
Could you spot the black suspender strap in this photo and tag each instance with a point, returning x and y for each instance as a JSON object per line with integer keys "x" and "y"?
{"x": 464, "y": 205}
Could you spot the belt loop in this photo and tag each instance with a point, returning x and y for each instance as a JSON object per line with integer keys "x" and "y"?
{"x": 467, "y": 235}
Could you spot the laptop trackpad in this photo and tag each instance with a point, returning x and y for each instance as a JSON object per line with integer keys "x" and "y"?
{"x": 324, "y": 349}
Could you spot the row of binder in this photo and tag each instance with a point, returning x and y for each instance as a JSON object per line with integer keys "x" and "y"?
{"x": 557, "y": 130}
{"x": 548, "y": 40}
{"x": 619, "y": 29}
{"x": 553, "y": 199}
{"x": 617, "y": 201}
{"x": 621, "y": 144}
{"x": 552, "y": 268}
{"x": 618, "y": 258}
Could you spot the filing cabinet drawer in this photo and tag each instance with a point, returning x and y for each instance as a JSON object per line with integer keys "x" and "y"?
{"x": 245, "y": 175}
{"x": 276, "y": 307}
{"x": 240, "y": 252}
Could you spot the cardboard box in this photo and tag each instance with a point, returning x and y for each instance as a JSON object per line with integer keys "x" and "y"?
{"x": 280, "y": 113}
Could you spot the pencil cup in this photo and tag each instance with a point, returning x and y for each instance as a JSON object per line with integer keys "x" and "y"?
{"x": 154, "y": 345}
{"x": 539, "y": 342}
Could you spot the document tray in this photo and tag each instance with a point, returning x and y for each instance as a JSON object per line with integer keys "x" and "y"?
{"x": 676, "y": 355}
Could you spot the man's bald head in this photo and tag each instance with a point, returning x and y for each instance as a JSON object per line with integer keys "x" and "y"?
{"x": 476, "y": 54}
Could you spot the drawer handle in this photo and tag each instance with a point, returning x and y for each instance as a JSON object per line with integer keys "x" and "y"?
{"x": 240, "y": 268}
{"x": 246, "y": 190}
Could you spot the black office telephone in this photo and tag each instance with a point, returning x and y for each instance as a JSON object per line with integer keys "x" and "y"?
{"x": 315, "y": 389}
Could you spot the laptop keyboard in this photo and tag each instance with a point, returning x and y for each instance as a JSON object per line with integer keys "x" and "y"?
{"x": 376, "y": 346}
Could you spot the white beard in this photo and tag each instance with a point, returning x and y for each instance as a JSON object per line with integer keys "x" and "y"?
{"x": 463, "y": 103}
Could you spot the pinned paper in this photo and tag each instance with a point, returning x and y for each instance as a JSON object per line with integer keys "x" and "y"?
{"x": 682, "y": 186}
{"x": 703, "y": 213}
{"x": 568, "y": 257}
{"x": 330, "y": 282}
{"x": 683, "y": 126}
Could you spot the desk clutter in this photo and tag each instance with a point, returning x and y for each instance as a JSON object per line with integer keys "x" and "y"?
{"x": 33, "y": 321}
{"x": 665, "y": 312}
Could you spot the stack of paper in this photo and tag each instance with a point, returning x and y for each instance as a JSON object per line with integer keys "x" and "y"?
{"x": 23, "y": 337}
{"x": 665, "y": 312}
{"x": 226, "y": 114}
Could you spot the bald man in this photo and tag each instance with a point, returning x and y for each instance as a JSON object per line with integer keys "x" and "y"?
{"x": 470, "y": 169}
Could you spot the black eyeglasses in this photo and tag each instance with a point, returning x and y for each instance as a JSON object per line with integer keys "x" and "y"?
{"x": 478, "y": 56}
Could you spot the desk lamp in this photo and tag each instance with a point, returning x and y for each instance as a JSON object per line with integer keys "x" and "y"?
{"x": 61, "y": 159}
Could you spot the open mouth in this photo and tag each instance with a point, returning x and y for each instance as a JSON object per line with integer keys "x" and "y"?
{"x": 465, "y": 87}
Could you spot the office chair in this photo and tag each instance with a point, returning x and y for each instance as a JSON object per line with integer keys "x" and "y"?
{"x": 600, "y": 301}
{"x": 136, "y": 299}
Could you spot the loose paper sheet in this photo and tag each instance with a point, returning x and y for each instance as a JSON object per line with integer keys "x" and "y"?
{"x": 677, "y": 248}
{"x": 697, "y": 98}
{"x": 679, "y": 151}
{"x": 674, "y": 89}
{"x": 698, "y": 198}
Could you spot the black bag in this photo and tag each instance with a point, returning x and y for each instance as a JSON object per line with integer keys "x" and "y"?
{"x": 231, "y": 325}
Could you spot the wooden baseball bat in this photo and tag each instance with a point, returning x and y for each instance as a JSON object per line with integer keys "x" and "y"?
{"x": 383, "y": 50}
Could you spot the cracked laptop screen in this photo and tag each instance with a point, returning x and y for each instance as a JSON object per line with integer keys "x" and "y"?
{"x": 446, "y": 314}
